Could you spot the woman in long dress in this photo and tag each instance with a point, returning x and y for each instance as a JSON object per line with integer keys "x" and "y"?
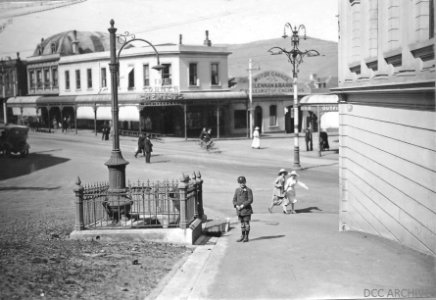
{"x": 255, "y": 144}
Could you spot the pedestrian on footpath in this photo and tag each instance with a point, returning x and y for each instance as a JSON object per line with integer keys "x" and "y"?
{"x": 308, "y": 139}
{"x": 141, "y": 145}
{"x": 242, "y": 200}
{"x": 256, "y": 138}
{"x": 279, "y": 196}
{"x": 290, "y": 186}
{"x": 148, "y": 148}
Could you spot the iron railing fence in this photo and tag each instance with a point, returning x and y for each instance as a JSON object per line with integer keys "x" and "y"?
{"x": 160, "y": 204}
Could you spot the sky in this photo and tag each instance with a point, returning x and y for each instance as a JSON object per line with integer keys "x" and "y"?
{"x": 161, "y": 21}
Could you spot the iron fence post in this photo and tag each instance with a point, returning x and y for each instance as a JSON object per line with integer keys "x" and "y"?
{"x": 183, "y": 186}
{"x": 200, "y": 209}
{"x": 78, "y": 191}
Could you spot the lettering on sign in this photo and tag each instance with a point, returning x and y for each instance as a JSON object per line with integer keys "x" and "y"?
{"x": 273, "y": 82}
{"x": 161, "y": 93}
{"x": 321, "y": 107}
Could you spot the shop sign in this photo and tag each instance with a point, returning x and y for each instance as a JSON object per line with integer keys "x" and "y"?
{"x": 321, "y": 107}
{"x": 161, "y": 93}
{"x": 272, "y": 82}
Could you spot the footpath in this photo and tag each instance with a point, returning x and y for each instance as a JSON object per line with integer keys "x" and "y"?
{"x": 299, "y": 256}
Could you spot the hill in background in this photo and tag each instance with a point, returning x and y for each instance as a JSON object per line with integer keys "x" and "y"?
{"x": 322, "y": 66}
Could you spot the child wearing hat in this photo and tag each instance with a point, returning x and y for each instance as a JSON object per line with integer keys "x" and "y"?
{"x": 242, "y": 200}
{"x": 279, "y": 196}
{"x": 290, "y": 185}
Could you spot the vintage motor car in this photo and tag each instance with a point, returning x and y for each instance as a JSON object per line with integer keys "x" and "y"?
{"x": 13, "y": 140}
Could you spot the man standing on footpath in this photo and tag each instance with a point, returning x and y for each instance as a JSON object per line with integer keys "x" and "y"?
{"x": 141, "y": 144}
{"x": 148, "y": 148}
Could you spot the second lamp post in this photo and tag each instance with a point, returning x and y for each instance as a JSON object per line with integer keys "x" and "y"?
{"x": 295, "y": 57}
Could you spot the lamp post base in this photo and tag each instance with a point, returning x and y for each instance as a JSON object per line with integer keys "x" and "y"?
{"x": 117, "y": 204}
{"x": 296, "y": 164}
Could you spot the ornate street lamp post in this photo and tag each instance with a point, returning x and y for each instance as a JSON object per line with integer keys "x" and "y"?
{"x": 117, "y": 201}
{"x": 295, "y": 57}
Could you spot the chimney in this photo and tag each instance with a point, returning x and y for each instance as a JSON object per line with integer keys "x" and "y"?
{"x": 207, "y": 42}
{"x": 18, "y": 55}
{"x": 75, "y": 43}
{"x": 180, "y": 39}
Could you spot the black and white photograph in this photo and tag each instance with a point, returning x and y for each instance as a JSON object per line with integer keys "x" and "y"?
{"x": 217, "y": 149}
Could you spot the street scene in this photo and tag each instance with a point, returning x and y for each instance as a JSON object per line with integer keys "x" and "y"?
{"x": 217, "y": 150}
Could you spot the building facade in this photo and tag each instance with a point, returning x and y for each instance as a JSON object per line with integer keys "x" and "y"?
{"x": 12, "y": 83}
{"x": 388, "y": 120}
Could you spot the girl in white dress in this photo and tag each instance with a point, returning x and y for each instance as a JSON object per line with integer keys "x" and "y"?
{"x": 290, "y": 185}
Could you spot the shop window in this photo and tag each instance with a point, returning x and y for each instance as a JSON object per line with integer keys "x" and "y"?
{"x": 166, "y": 74}
{"x": 131, "y": 79}
{"x": 193, "y": 76}
{"x": 273, "y": 115}
{"x": 146, "y": 71}
{"x": 214, "y": 80}
{"x": 67, "y": 80}
{"x": 103, "y": 78}
{"x": 240, "y": 117}
{"x": 89, "y": 78}
{"x": 78, "y": 86}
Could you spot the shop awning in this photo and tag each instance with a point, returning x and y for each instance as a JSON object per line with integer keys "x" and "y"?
{"x": 65, "y": 100}
{"x": 128, "y": 113}
{"x": 30, "y": 111}
{"x": 85, "y": 113}
{"x": 325, "y": 102}
{"x": 104, "y": 113}
{"x": 22, "y": 100}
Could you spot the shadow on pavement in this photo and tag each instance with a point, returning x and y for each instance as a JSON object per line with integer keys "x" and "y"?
{"x": 17, "y": 166}
{"x": 307, "y": 210}
{"x": 268, "y": 237}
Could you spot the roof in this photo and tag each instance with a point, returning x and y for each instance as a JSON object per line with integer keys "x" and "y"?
{"x": 319, "y": 99}
{"x": 62, "y": 43}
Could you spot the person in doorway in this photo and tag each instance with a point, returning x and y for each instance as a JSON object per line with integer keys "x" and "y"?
{"x": 255, "y": 144}
{"x": 148, "y": 148}
{"x": 141, "y": 145}
{"x": 242, "y": 200}
{"x": 308, "y": 139}
{"x": 278, "y": 197}
{"x": 290, "y": 186}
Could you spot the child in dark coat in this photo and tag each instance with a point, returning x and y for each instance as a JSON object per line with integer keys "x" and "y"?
{"x": 242, "y": 200}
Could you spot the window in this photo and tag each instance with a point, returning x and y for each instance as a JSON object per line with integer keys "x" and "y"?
{"x": 46, "y": 78}
{"x": 67, "y": 80}
{"x": 214, "y": 80}
{"x": 273, "y": 115}
{"x": 166, "y": 74}
{"x": 89, "y": 78}
{"x": 103, "y": 78}
{"x": 32, "y": 79}
{"x": 78, "y": 80}
{"x": 39, "y": 79}
{"x": 240, "y": 117}
{"x": 54, "y": 76}
{"x": 131, "y": 83}
{"x": 146, "y": 70}
{"x": 193, "y": 74}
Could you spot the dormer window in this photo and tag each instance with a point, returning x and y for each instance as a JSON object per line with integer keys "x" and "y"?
{"x": 53, "y": 47}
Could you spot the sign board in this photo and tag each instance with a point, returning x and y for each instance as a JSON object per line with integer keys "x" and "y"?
{"x": 274, "y": 83}
{"x": 322, "y": 108}
{"x": 161, "y": 93}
